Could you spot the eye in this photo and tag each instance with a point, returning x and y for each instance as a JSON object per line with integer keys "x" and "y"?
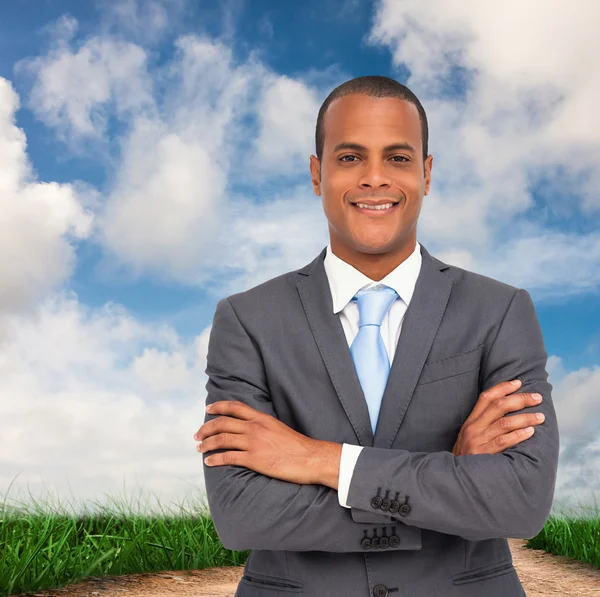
{"x": 341, "y": 159}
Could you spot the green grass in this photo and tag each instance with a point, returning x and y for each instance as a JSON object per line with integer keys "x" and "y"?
{"x": 42, "y": 548}
{"x": 576, "y": 536}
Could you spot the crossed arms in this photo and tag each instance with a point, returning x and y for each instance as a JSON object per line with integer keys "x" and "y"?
{"x": 477, "y": 496}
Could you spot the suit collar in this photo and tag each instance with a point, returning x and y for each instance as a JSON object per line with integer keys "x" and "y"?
{"x": 421, "y": 322}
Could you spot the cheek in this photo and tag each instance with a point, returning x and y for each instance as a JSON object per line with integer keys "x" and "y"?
{"x": 334, "y": 212}
{"x": 340, "y": 181}
{"x": 408, "y": 182}
{"x": 332, "y": 198}
{"x": 413, "y": 191}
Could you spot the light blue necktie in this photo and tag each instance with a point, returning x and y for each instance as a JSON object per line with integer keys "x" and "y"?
{"x": 368, "y": 350}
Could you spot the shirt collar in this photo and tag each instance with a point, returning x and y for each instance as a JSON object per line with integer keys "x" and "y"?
{"x": 345, "y": 280}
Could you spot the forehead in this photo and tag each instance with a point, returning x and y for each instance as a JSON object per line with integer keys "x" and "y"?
{"x": 359, "y": 118}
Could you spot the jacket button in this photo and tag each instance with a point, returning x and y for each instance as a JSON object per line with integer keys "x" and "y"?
{"x": 365, "y": 543}
{"x": 384, "y": 542}
{"x": 404, "y": 508}
{"x": 380, "y": 591}
{"x": 395, "y": 505}
{"x": 394, "y": 541}
{"x": 376, "y": 502}
{"x": 385, "y": 504}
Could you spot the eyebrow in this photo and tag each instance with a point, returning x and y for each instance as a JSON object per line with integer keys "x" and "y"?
{"x": 358, "y": 147}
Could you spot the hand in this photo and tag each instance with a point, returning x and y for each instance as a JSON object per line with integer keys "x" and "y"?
{"x": 259, "y": 442}
{"x": 487, "y": 430}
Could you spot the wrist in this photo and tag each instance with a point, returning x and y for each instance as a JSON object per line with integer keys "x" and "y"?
{"x": 327, "y": 466}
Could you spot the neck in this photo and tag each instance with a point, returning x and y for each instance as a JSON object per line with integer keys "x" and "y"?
{"x": 375, "y": 266}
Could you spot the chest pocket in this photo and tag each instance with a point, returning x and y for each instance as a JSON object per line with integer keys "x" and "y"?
{"x": 458, "y": 364}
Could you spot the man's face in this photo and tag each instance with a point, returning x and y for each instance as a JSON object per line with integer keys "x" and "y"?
{"x": 373, "y": 173}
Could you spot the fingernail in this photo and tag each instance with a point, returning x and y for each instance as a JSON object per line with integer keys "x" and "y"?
{"x": 540, "y": 416}
{"x": 515, "y": 382}
{"x": 537, "y": 397}
{"x": 208, "y": 407}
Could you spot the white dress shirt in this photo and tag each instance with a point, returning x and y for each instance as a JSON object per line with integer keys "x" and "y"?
{"x": 344, "y": 282}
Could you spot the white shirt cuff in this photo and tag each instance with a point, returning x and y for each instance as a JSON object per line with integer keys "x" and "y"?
{"x": 348, "y": 460}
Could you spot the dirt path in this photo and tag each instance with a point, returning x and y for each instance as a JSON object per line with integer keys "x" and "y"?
{"x": 542, "y": 574}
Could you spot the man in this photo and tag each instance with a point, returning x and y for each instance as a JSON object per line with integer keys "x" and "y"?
{"x": 349, "y": 478}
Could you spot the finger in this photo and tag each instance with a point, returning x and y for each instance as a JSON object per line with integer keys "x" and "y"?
{"x": 499, "y": 407}
{"x": 504, "y": 425}
{"x": 521, "y": 401}
{"x": 507, "y": 440}
{"x": 221, "y": 424}
{"x": 227, "y": 458}
{"x": 501, "y": 390}
{"x": 233, "y": 415}
{"x": 224, "y": 441}
{"x": 233, "y": 408}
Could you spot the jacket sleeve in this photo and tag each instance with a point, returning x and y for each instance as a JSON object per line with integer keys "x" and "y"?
{"x": 254, "y": 511}
{"x": 350, "y": 454}
{"x": 479, "y": 496}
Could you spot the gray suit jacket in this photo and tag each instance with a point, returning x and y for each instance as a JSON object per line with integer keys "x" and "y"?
{"x": 422, "y": 522}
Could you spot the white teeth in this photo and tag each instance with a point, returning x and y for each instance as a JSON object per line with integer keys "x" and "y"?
{"x": 384, "y": 206}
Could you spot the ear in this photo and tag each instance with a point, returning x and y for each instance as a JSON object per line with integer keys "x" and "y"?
{"x": 427, "y": 165}
{"x": 315, "y": 174}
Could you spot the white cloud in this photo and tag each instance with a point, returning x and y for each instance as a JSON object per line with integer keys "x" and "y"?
{"x": 575, "y": 397}
{"x": 169, "y": 211}
{"x": 578, "y": 407}
{"x": 99, "y": 395}
{"x": 286, "y": 137}
{"x": 162, "y": 214}
{"x": 145, "y": 21}
{"x": 76, "y": 91}
{"x": 37, "y": 219}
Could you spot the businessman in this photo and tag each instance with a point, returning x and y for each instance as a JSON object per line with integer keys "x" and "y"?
{"x": 364, "y": 437}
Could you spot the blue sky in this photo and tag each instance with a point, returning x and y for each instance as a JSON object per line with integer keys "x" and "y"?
{"x": 155, "y": 159}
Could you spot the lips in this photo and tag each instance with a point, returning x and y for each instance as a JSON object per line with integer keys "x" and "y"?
{"x": 367, "y": 202}
{"x": 375, "y": 212}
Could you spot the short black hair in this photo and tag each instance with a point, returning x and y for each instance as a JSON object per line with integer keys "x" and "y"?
{"x": 374, "y": 86}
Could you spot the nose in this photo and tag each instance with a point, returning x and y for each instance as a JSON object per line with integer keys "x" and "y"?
{"x": 374, "y": 176}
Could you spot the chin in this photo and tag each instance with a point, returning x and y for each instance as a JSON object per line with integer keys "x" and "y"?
{"x": 373, "y": 247}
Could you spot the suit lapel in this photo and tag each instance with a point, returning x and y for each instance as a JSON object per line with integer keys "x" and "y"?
{"x": 419, "y": 327}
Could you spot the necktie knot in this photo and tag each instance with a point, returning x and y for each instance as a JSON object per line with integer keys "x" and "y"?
{"x": 374, "y": 303}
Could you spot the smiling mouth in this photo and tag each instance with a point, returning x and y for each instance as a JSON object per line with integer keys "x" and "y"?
{"x": 376, "y": 210}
